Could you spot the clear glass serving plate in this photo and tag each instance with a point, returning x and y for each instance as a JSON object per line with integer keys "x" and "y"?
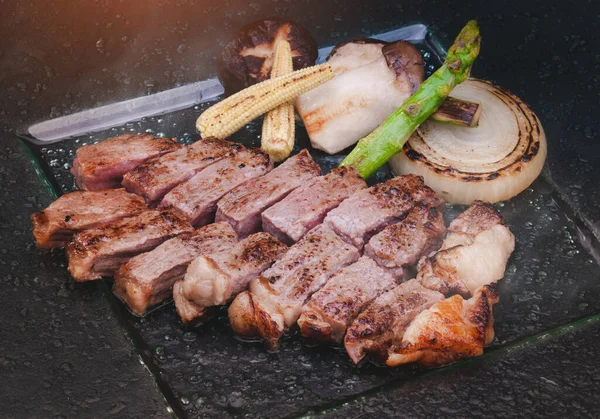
{"x": 552, "y": 280}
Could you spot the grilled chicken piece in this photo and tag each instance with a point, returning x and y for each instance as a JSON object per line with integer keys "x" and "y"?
{"x": 197, "y": 198}
{"x": 148, "y": 278}
{"x": 383, "y": 322}
{"x": 102, "y": 165}
{"x": 401, "y": 245}
{"x": 214, "y": 279}
{"x": 274, "y": 300}
{"x": 100, "y": 251}
{"x": 449, "y": 331}
{"x": 242, "y": 207}
{"x": 474, "y": 253}
{"x": 291, "y": 218}
{"x": 330, "y": 310}
{"x": 367, "y": 212}
{"x": 156, "y": 177}
{"x": 79, "y": 210}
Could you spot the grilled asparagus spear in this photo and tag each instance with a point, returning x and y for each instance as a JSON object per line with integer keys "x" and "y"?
{"x": 374, "y": 150}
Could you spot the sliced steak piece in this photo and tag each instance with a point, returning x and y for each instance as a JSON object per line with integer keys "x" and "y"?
{"x": 242, "y": 207}
{"x": 214, "y": 279}
{"x": 330, "y": 310}
{"x": 473, "y": 254}
{"x": 367, "y": 212}
{"x": 102, "y": 165}
{"x": 383, "y": 322}
{"x": 148, "y": 278}
{"x": 154, "y": 178}
{"x": 79, "y": 210}
{"x": 449, "y": 331}
{"x": 401, "y": 245}
{"x": 197, "y": 198}
{"x": 291, "y": 218}
{"x": 100, "y": 251}
{"x": 275, "y": 299}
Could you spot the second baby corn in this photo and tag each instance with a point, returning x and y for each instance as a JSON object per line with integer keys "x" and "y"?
{"x": 279, "y": 127}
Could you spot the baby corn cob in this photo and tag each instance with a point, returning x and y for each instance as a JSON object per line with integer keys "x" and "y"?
{"x": 228, "y": 116}
{"x": 279, "y": 127}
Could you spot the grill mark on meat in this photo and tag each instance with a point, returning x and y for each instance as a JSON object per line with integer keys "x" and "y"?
{"x": 367, "y": 212}
{"x": 242, "y": 206}
{"x": 276, "y": 298}
{"x": 156, "y": 177}
{"x": 196, "y": 199}
{"x": 100, "y": 251}
{"x": 385, "y": 320}
{"x": 102, "y": 165}
{"x": 474, "y": 253}
{"x": 450, "y": 330}
{"x": 329, "y": 312}
{"x": 80, "y": 210}
{"x": 399, "y": 246}
{"x": 214, "y": 279}
{"x": 148, "y": 278}
{"x": 304, "y": 208}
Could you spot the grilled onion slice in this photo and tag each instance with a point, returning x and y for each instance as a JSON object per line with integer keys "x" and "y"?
{"x": 493, "y": 162}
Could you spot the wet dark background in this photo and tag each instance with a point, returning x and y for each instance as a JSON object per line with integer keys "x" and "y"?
{"x": 62, "y": 351}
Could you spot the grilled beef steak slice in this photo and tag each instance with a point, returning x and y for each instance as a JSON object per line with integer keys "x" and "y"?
{"x": 148, "y": 278}
{"x": 367, "y": 212}
{"x": 214, "y": 279}
{"x": 274, "y": 300}
{"x": 242, "y": 207}
{"x": 401, "y": 245}
{"x": 449, "y": 331}
{"x": 473, "y": 254}
{"x": 291, "y": 218}
{"x": 154, "y": 178}
{"x": 79, "y": 210}
{"x": 384, "y": 321}
{"x": 197, "y": 198}
{"x": 102, "y": 165}
{"x": 330, "y": 310}
{"x": 100, "y": 251}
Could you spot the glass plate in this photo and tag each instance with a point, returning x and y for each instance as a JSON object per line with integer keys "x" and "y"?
{"x": 551, "y": 281}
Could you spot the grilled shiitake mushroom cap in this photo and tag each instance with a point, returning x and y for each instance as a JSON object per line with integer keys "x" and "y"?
{"x": 248, "y": 58}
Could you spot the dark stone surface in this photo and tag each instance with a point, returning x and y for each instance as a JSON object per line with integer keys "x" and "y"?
{"x": 551, "y": 376}
{"x": 63, "y": 353}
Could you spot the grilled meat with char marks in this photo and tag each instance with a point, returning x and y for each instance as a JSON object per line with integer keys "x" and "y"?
{"x": 449, "y": 331}
{"x": 400, "y": 246}
{"x": 383, "y": 322}
{"x": 274, "y": 300}
{"x": 79, "y": 210}
{"x": 156, "y": 177}
{"x": 102, "y": 165}
{"x": 100, "y": 251}
{"x": 291, "y": 218}
{"x": 148, "y": 278}
{"x": 369, "y": 211}
{"x": 330, "y": 310}
{"x": 474, "y": 253}
{"x": 214, "y": 279}
{"x": 197, "y": 198}
{"x": 242, "y": 207}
